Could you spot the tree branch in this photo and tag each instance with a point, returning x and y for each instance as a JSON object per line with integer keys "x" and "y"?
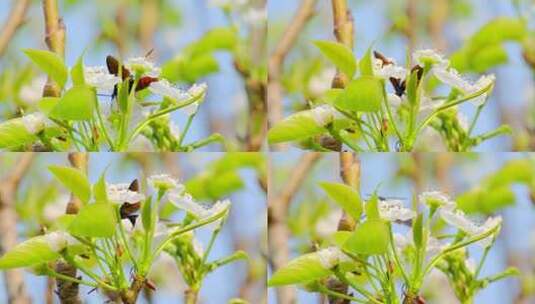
{"x": 278, "y": 232}
{"x": 55, "y": 40}
{"x": 14, "y": 279}
{"x": 68, "y": 292}
{"x": 276, "y": 60}
{"x": 13, "y": 22}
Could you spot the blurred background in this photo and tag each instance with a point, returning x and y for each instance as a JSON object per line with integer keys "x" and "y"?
{"x": 131, "y": 28}
{"x": 483, "y": 184}
{"x": 208, "y": 176}
{"x": 396, "y": 26}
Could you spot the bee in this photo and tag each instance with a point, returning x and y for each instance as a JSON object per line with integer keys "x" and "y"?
{"x": 399, "y": 85}
{"x": 113, "y": 68}
{"x": 127, "y": 210}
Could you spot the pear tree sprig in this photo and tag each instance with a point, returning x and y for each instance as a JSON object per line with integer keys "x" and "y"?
{"x": 375, "y": 260}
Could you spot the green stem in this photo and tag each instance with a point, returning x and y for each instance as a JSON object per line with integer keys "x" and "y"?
{"x": 163, "y": 112}
{"x": 186, "y": 129}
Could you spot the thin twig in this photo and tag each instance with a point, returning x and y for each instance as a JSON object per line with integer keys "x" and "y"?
{"x": 278, "y": 232}
{"x": 14, "y": 279}
{"x": 55, "y": 40}
{"x": 68, "y": 291}
{"x": 277, "y": 58}
{"x": 13, "y": 22}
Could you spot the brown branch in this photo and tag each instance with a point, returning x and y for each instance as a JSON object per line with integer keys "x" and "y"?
{"x": 68, "y": 292}
{"x": 350, "y": 174}
{"x": 278, "y": 232}
{"x": 437, "y": 19}
{"x": 14, "y": 279}
{"x": 276, "y": 60}
{"x": 411, "y": 30}
{"x": 148, "y": 24}
{"x": 13, "y": 22}
{"x": 55, "y": 40}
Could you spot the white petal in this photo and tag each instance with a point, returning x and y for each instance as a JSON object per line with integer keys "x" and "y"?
{"x": 332, "y": 256}
{"x": 34, "y": 122}
{"x": 100, "y": 78}
{"x": 323, "y": 115}
{"x": 393, "y": 210}
{"x": 119, "y": 193}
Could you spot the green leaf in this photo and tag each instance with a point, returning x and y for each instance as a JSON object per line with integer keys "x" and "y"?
{"x": 499, "y": 30}
{"x": 340, "y": 55}
{"x": 372, "y": 208}
{"x": 77, "y": 72}
{"x": 418, "y": 231}
{"x": 94, "y": 220}
{"x": 147, "y": 215}
{"x": 51, "y": 63}
{"x": 364, "y": 94}
{"x": 297, "y": 126}
{"x": 74, "y": 180}
{"x": 303, "y": 269}
{"x": 77, "y": 104}
{"x": 366, "y": 63}
{"x": 28, "y": 253}
{"x": 369, "y": 238}
{"x": 221, "y": 38}
{"x": 346, "y": 197}
{"x": 14, "y": 135}
{"x": 99, "y": 189}
{"x": 47, "y": 104}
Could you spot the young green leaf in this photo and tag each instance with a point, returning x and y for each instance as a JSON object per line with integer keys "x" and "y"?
{"x": 364, "y": 94}
{"x": 418, "y": 231}
{"x": 77, "y": 72}
{"x": 372, "y": 208}
{"x": 51, "y": 63}
{"x": 28, "y": 253}
{"x": 94, "y": 220}
{"x": 366, "y": 63}
{"x": 303, "y": 269}
{"x": 99, "y": 189}
{"x": 298, "y": 126}
{"x": 74, "y": 180}
{"x": 346, "y": 197}
{"x": 340, "y": 55}
{"x": 147, "y": 214}
{"x": 369, "y": 238}
{"x": 47, "y": 104}
{"x": 77, "y": 104}
{"x": 14, "y": 135}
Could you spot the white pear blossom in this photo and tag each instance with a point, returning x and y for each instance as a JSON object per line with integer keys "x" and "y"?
{"x": 321, "y": 82}
{"x": 33, "y": 92}
{"x": 55, "y": 209}
{"x": 452, "y": 78}
{"x": 142, "y": 65}
{"x": 394, "y": 100}
{"x": 386, "y": 71}
{"x": 393, "y": 210}
{"x": 119, "y": 193}
{"x": 483, "y": 82}
{"x": 458, "y": 219}
{"x": 433, "y": 246}
{"x": 100, "y": 78}
{"x": 327, "y": 225}
{"x": 185, "y": 202}
{"x": 428, "y": 56}
{"x": 324, "y": 114}
{"x": 332, "y": 256}
{"x": 34, "y": 122}
{"x": 255, "y": 16}
{"x": 164, "y": 182}
{"x": 437, "y": 199}
{"x": 59, "y": 240}
{"x": 166, "y": 89}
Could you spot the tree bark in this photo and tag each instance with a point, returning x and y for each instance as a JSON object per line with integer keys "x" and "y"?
{"x": 13, "y": 279}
